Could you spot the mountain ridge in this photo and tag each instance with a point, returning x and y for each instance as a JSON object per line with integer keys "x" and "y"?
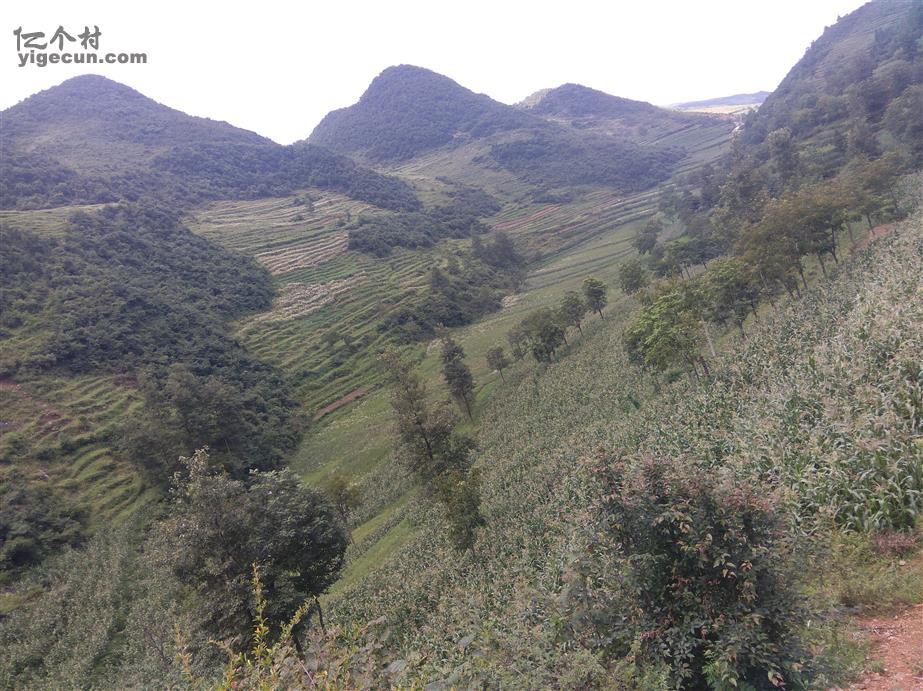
{"x": 91, "y": 139}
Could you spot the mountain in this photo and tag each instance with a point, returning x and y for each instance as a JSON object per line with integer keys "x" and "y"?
{"x": 589, "y": 110}
{"x": 735, "y": 100}
{"x": 409, "y": 111}
{"x": 736, "y": 103}
{"x": 91, "y": 140}
{"x": 574, "y": 101}
{"x": 862, "y": 75}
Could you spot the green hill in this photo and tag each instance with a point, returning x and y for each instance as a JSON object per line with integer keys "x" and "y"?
{"x": 408, "y": 112}
{"x": 91, "y": 140}
{"x": 861, "y": 75}
{"x": 580, "y": 104}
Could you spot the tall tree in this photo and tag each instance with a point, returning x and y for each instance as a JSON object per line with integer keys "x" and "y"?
{"x": 426, "y": 434}
{"x": 633, "y": 276}
{"x": 594, "y": 291}
{"x": 646, "y": 238}
{"x": 456, "y": 373}
{"x": 572, "y": 310}
{"x": 544, "y": 333}
{"x": 497, "y": 360}
{"x": 221, "y": 527}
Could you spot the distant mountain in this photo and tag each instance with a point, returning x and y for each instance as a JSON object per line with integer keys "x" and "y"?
{"x": 588, "y": 109}
{"x": 91, "y": 140}
{"x": 577, "y": 101}
{"x": 409, "y": 111}
{"x": 736, "y": 100}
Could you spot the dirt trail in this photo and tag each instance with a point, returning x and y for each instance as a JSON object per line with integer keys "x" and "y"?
{"x": 340, "y": 402}
{"x": 897, "y": 643}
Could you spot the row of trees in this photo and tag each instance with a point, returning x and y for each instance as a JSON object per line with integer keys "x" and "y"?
{"x": 544, "y": 330}
{"x": 765, "y": 258}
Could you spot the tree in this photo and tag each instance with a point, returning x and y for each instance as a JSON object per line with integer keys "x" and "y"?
{"x": 429, "y": 444}
{"x": 665, "y": 332}
{"x": 240, "y": 421}
{"x": 433, "y": 451}
{"x": 730, "y": 292}
{"x": 633, "y": 276}
{"x": 572, "y": 310}
{"x": 456, "y": 373}
{"x": 461, "y": 496}
{"x": 344, "y": 495}
{"x": 544, "y": 333}
{"x": 705, "y": 574}
{"x": 783, "y": 153}
{"x": 497, "y": 360}
{"x": 646, "y": 238}
{"x": 517, "y": 339}
{"x": 221, "y": 527}
{"x": 594, "y": 291}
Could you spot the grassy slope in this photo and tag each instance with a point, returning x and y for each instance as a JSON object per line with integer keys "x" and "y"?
{"x": 549, "y": 421}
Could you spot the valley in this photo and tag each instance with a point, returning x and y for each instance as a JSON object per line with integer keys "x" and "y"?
{"x": 575, "y": 393}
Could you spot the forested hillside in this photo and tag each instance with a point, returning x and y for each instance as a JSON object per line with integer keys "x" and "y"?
{"x": 91, "y": 140}
{"x": 409, "y": 111}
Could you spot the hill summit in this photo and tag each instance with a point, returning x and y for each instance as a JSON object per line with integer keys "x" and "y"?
{"x": 408, "y": 110}
{"x": 94, "y": 140}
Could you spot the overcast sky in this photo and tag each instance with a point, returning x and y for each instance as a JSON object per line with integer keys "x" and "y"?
{"x": 278, "y": 67}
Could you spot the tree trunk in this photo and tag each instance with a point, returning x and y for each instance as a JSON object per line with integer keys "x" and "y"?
{"x": 705, "y": 368}
{"x": 502, "y": 378}
{"x": 320, "y": 614}
{"x": 801, "y": 273}
{"x": 467, "y": 407}
{"x": 711, "y": 345}
{"x": 823, "y": 267}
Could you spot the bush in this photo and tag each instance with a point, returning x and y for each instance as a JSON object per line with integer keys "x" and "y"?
{"x": 692, "y": 571}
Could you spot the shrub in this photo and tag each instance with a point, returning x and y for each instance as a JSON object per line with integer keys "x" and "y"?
{"x": 692, "y": 571}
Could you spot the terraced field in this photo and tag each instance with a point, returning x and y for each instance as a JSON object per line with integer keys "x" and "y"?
{"x": 66, "y": 423}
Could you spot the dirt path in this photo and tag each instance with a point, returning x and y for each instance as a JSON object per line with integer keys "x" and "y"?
{"x": 897, "y": 643}
{"x": 340, "y": 402}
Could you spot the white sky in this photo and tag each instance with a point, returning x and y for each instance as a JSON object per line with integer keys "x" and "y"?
{"x": 278, "y": 67}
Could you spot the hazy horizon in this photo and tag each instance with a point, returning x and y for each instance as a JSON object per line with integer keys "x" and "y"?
{"x": 215, "y": 65}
